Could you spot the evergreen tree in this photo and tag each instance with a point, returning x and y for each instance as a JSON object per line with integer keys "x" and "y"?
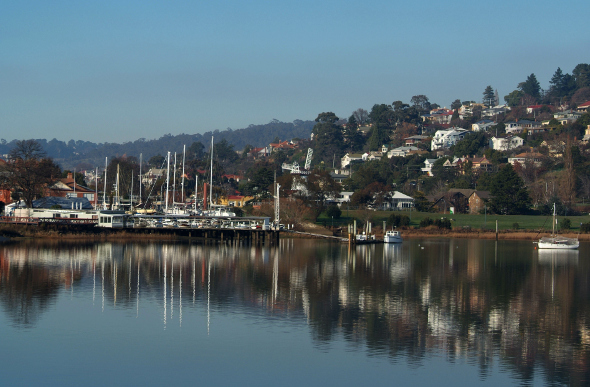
{"x": 531, "y": 87}
{"x": 510, "y": 196}
{"x": 488, "y": 96}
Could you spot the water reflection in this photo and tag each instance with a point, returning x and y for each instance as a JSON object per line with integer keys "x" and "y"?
{"x": 480, "y": 301}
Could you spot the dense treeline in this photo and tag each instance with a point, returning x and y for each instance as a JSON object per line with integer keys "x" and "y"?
{"x": 85, "y": 154}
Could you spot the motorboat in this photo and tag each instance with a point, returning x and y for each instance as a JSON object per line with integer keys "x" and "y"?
{"x": 392, "y": 237}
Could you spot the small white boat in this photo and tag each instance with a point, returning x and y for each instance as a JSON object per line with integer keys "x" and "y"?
{"x": 558, "y": 242}
{"x": 392, "y": 237}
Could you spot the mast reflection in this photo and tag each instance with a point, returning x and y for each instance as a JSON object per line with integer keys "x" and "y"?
{"x": 526, "y": 307}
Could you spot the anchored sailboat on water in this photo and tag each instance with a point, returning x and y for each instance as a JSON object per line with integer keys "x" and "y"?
{"x": 558, "y": 242}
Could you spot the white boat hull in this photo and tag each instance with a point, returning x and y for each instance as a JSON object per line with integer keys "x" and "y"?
{"x": 392, "y": 237}
{"x": 545, "y": 245}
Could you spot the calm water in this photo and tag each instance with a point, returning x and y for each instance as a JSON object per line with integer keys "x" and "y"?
{"x": 428, "y": 312}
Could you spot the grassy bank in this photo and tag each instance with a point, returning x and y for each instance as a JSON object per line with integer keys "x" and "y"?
{"x": 458, "y": 221}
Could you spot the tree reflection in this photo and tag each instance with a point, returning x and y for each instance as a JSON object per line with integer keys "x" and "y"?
{"x": 482, "y": 301}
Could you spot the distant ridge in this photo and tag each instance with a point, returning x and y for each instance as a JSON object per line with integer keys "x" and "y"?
{"x": 74, "y": 153}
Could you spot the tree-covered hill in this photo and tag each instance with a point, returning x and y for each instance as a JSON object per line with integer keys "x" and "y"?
{"x": 85, "y": 154}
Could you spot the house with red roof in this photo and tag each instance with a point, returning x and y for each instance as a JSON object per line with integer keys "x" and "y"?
{"x": 583, "y": 108}
{"x": 68, "y": 188}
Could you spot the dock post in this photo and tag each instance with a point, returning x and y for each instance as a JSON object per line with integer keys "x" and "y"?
{"x": 496, "y": 229}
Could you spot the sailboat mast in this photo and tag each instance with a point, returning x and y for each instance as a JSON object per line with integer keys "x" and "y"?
{"x": 211, "y": 177}
{"x": 131, "y": 196}
{"x": 196, "y": 190}
{"x": 174, "y": 183}
{"x": 104, "y": 194}
{"x": 140, "y": 179}
{"x": 182, "y": 186}
{"x": 167, "y": 182}
{"x": 118, "y": 195}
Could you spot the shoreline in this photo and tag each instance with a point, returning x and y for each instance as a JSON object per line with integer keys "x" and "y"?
{"x": 23, "y": 232}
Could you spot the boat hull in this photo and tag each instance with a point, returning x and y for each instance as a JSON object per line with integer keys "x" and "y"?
{"x": 559, "y": 245}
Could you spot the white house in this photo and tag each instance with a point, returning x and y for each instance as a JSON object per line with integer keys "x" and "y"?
{"x": 447, "y": 137}
{"x": 402, "y": 151}
{"x": 519, "y": 125}
{"x": 350, "y": 157}
{"x": 505, "y": 143}
{"x": 482, "y": 125}
{"x": 428, "y": 163}
{"x": 397, "y": 201}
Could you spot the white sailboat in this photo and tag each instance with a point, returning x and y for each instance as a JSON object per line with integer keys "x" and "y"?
{"x": 558, "y": 242}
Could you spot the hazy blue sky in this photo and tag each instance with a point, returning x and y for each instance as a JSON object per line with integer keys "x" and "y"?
{"x": 114, "y": 71}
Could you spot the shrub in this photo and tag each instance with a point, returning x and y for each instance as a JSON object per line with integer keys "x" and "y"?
{"x": 333, "y": 211}
{"x": 566, "y": 224}
{"x": 443, "y": 223}
{"x": 426, "y": 222}
{"x": 398, "y": 220}
{"x": 585, "y": 227}
{"x": 515, "y": 226}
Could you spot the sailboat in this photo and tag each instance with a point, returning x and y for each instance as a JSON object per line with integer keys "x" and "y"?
{"x": 558, "y": 242}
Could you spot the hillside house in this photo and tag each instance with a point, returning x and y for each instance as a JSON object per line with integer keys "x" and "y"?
{"x": 482, "y": 125}
{"x": 444, "y": 139}
{"x": 583, "y": 108}
{"x": 526, "y": 158}
{"x": 350, "y": 157}
{"x": 505, "y": 143}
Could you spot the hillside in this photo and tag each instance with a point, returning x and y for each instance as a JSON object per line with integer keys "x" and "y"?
{"x": 84, "y": 154}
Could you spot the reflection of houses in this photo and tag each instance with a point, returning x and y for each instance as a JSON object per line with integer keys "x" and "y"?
{"x": 505, "y": 143}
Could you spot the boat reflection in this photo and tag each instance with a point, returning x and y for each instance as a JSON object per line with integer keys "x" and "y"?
{"x": 464, "y": 298}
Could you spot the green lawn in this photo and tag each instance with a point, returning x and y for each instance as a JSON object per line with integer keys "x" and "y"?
{"x": 525, "y": 222}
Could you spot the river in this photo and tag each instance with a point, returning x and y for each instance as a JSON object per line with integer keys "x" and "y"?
{"x": 454, "y": 312}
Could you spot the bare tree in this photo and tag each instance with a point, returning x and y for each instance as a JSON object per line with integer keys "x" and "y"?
{"x": 361, "y": 116}
{"x": 28, "y": 170}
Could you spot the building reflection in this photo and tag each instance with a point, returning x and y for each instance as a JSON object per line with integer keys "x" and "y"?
{"x": 482, "y": 301}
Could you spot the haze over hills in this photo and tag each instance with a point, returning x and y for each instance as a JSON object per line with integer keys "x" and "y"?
{"x": 85, "y": 154}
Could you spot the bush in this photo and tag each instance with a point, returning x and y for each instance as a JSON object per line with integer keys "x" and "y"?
{"x": 585, "y": 227}
{"x": 443, "y": 223}
{"x": 398, "y": 220}
{"x": 566, "y": 224}
{"x": 426, "y": 222}
{"x": 515, "y": 226}
{"x": 333, "y": 211}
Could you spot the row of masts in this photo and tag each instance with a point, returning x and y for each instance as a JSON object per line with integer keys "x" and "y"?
{"x": 174, "y": 203}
